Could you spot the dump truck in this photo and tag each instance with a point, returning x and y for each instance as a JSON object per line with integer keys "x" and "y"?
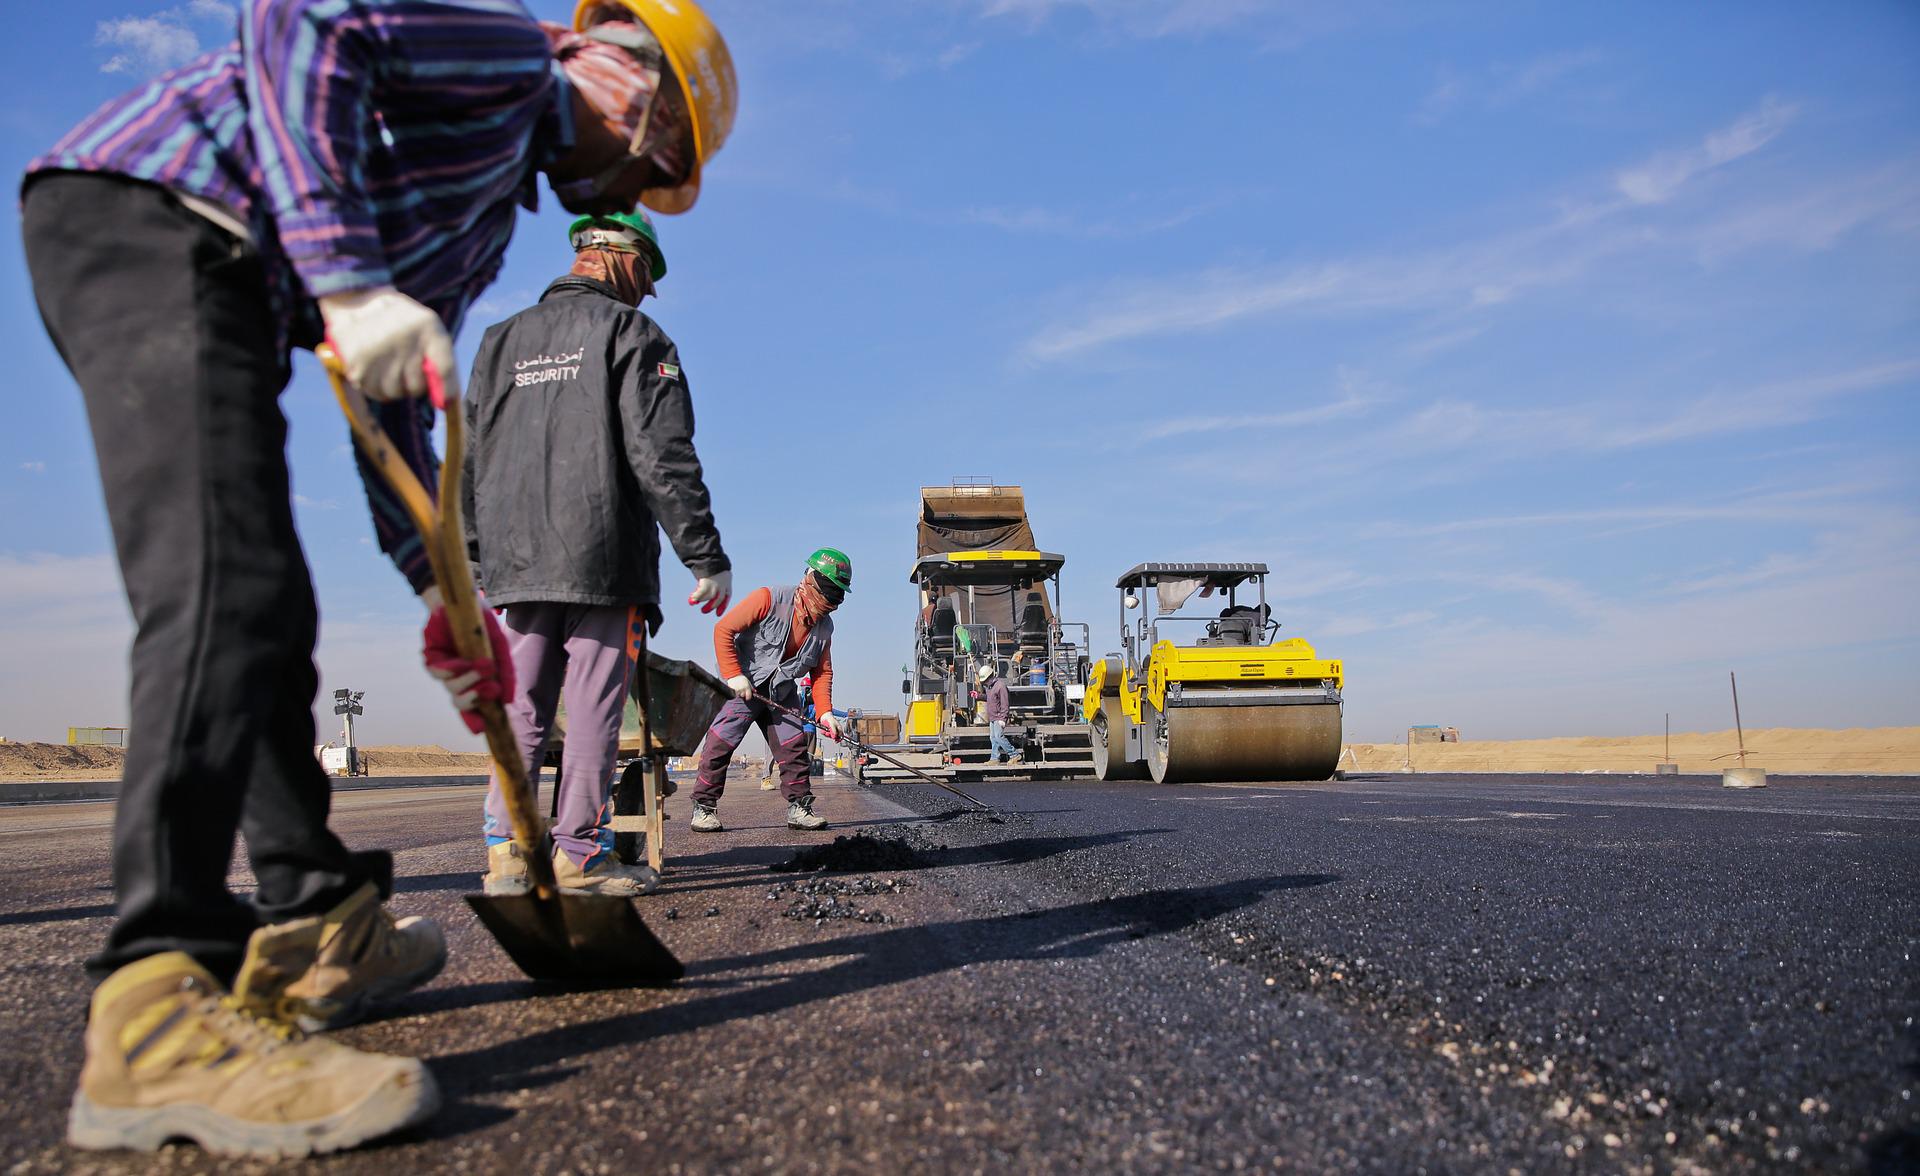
{"x": 1206, "y": 696}
{"x": 988, "y": 596}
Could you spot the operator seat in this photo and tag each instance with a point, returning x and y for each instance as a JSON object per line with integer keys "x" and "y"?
{"x": 940, "y": 635}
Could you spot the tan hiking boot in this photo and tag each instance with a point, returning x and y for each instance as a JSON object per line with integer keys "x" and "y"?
{"x": 800, "y": 815}
{"x": 506, "y": 870}
{"x": 609, "y": 875}
{"x": 365, "y": 956}
{"x": 172, "y": 1056}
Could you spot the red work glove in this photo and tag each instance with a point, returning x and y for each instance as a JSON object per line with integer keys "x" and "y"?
{"x": 468, "y": 680}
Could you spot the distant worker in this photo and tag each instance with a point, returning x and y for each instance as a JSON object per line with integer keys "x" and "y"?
{"x": 342, "y": 171}
{"x": 581, "y": 451}
{"x": 999, "y": 708}
{"x": 770, "y": 641}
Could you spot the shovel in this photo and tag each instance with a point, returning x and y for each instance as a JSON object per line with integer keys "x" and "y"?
{"x": 848, "y": 738}
{"x": 594, "y": 939}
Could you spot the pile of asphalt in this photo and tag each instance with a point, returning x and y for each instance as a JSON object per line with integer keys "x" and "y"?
{"x": 856, "y": 854}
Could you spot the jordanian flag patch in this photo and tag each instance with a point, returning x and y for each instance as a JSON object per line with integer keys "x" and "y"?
{"x": 669, "y": 371}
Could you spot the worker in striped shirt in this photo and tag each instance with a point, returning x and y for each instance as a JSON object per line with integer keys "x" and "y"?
{"x": 349, "y": 172}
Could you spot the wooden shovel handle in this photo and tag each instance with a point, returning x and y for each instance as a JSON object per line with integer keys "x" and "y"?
{"x": 443, "y": 536}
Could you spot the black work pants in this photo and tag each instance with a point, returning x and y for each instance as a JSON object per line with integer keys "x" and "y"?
{"x": 164, "y": 320}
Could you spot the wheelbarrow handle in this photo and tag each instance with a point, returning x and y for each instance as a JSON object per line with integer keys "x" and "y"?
{"x": 443, "y": 536}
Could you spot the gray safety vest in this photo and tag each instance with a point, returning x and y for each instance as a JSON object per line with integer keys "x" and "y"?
{"x": 760, "y": 648}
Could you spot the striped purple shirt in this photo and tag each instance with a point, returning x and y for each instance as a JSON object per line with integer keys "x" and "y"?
{"x": 365, "y": 143}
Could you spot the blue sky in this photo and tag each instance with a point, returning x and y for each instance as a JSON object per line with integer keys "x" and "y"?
{"x": 1559, "y": 359}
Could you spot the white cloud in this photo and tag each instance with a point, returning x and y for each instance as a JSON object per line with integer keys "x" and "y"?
{"x": 152, "y": 44}
{"x": 1273, "y": 23}
{"x": 1479, "y": 274}
{"x": 34, "y": 467}
{"x": 1354, "y": 398}
{"x": 1607, "y": 657}
{"x": 1660, "y": 178}
{"x": 1501, "y": 85}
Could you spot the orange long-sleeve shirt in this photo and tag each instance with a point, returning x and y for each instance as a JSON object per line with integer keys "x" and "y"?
{"x": 751, "y": 611}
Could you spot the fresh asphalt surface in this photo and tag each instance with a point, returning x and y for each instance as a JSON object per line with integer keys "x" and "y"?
{"x": 1384, "y": 974}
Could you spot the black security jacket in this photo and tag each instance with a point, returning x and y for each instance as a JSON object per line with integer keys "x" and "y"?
{"x": 580, "y": 440}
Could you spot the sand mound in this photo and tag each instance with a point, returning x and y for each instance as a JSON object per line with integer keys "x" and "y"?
{"x": 32, "y": 761}
{"x": 1854, "y": 752}
{"x": 430, "y": 760}
{"x": 58, "y": 761}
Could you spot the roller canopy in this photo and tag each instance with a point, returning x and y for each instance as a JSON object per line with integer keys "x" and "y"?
{"x": 1219, "y": 575}
{"x": 985, "y": 567}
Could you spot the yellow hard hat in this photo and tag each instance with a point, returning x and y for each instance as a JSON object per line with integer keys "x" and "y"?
{"x": 703, "y": 68}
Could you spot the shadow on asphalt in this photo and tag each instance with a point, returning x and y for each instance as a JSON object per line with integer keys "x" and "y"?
{"x": 56, "y": 915}
{"x": 872, "y": 960}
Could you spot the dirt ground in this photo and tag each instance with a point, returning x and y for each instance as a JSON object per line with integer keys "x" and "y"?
{"x": 58, "y": 761}
{"x": 1856, "y": 751}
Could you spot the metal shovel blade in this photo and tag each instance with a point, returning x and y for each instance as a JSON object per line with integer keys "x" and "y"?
{"x": 578, "y": 939}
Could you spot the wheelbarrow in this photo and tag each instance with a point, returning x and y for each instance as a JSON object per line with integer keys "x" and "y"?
{"x": 669, "y": 708}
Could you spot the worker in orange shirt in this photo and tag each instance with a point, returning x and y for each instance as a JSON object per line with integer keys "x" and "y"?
{"x": 765, "y": 646}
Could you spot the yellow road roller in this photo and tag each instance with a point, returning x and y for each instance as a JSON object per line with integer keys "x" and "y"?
{"x": 1211, "y": 695}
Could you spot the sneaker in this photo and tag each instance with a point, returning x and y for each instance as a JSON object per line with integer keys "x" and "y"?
{"x": 506, "y": 870}
{"x": 366, "y": 956}
{"x": 172, "y": 1056}
{"x": 800, "y": 815}
{"x": 705, "y": 820}
{"x": 769, "y": 782}
{"x": 609, "y": 875}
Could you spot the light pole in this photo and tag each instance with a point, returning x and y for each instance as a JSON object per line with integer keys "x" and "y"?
{"x": 347, "y": 703}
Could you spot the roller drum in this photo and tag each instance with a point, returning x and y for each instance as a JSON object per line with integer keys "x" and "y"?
{"x": 1203, "y": 743}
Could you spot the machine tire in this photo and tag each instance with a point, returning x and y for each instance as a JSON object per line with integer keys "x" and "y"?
{"x": 1158, "y": 758}
{"x": 1106, "y": 764}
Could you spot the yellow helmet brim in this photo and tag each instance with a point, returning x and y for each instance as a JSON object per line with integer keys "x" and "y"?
{"x": 702, "y": 68}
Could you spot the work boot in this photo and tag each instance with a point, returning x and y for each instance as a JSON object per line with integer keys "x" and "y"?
{"x": 769, "y": 782}
{"x": 800, "y": 815}
{"x": 506, "y": 871}
{"x": 609, "y": 876}
{"x": 366, "y": 956}
{"x": 706, "y": 819}
{"x": 171, "y": 1056}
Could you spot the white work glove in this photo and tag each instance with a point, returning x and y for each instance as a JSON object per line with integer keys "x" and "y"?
{"x": 742, "y": 689}
{"x": 386, "y": 339}
{"x": 829, "y": 726}
{"x": 713, "y": 592}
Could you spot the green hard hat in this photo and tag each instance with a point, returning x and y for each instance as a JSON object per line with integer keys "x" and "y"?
{"x": 832, "y": 565}
{"x": 578, "y": 234}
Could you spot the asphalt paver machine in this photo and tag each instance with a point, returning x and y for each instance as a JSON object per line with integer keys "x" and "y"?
{"x": 988, "y": 596}
{"x": 1212, "y": 695}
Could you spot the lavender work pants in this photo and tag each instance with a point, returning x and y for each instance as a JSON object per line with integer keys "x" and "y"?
{"x": 786, "y": 742}
{"x": 576, "y": 652}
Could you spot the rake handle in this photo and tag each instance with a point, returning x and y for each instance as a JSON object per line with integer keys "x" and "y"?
{"x": 853, "y": 741}
{"x": 442, "y": 535}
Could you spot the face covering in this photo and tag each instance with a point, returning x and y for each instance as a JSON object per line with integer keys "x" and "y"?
{"x": 623, "y": 82}
{"x": 630, "y": 274}
{"x": 813, "y": 602}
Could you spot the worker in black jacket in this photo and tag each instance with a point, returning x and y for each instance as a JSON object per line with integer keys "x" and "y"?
{"x": 582, "y": 447}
